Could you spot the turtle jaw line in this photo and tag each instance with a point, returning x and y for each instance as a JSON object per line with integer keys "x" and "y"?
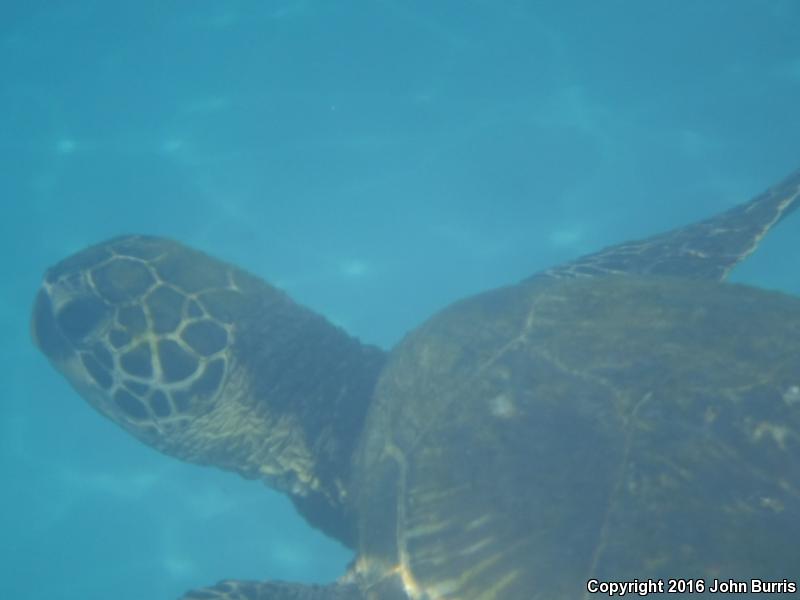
{"x": 59, "y": 350}
{"x": 69, "y": 364}
{"x": 74, "y": 372}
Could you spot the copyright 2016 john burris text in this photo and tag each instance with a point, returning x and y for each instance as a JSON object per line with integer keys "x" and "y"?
{"x": 645, "y": 587}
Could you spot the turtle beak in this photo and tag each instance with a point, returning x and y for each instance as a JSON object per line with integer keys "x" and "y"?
{"x": 64, "y": 316}
{"x": 45, "y": 331}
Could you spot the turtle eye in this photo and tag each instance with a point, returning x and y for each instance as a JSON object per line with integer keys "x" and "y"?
{"x": 80, "y": 317}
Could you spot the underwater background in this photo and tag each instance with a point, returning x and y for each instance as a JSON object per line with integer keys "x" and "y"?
{"x": 377, "y": 160}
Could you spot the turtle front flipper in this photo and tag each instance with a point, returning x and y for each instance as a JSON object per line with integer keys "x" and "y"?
{"x": 275, "y": 590}
{"x": 705, "y": 250}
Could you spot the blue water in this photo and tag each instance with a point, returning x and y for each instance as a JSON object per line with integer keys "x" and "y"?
{"x": 377, "y": 160}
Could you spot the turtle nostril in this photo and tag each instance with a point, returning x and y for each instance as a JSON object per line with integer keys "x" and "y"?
{"x": 80, "y": 317}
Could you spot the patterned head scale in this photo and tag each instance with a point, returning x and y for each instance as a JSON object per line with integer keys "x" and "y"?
{"x": 142, "y": 329}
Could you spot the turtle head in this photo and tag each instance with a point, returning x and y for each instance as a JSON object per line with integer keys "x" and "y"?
{"x": 132, "y": 324}
{"x": 210, "y": 364}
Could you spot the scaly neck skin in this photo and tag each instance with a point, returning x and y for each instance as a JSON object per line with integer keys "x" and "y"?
{"x": 291, "y": 414}
{"x": 304, "y": 448}
{"x": 333, "y": 425}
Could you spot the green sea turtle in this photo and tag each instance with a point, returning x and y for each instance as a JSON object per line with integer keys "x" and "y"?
{"x": 622, "y": 418}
